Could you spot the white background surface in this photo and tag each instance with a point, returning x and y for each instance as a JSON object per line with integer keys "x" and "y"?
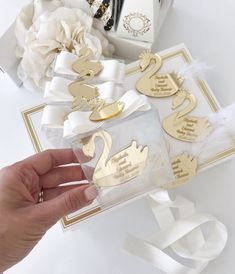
{"x": 207, "y": 27}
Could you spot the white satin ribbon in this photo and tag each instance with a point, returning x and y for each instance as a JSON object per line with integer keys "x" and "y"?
{"x": 112, "y": 69}
{"x": 57, "y": 90}
{"x": 78, "y": 122}
{"x": 183, "y": 235}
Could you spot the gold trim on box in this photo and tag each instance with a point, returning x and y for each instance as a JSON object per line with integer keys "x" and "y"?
{"x": 30, "y": 127}
{"x": 68, "y": 221}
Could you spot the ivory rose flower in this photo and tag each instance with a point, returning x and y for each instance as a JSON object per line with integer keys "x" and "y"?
{"x": 45, "y": 28}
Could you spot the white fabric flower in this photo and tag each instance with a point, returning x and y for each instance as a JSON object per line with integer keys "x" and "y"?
{"x": 45, "y": 28}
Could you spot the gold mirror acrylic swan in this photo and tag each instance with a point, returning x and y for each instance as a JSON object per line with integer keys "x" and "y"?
{"x": 86, "y": 98}
{"x": 84, "y": 66}
{"x": 106, "y": 111}
{"x": 154, "y": 84}
{"x": 117, "y": 169}
{"x": 82, "y": 92}
{"x": 86, "y": 95}
{"x": 184, "y": 167}
{"x": 181, "y": 126}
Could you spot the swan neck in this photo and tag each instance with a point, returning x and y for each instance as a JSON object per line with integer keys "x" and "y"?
{"x": 191, "y": 106}
{"x": 156, "y": 66}
{"x": 86, "y": 56}
{"x": 86, "y": 80}
{"x": 107, "y": 139}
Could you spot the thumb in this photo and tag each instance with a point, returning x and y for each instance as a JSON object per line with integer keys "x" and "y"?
{"x": 67, "y": 203}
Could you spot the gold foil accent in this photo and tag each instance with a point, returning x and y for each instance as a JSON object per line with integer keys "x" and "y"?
{"x": 121, "y": 167}
{"x": 181, "y": 126}
{"x": 184, "y": 167}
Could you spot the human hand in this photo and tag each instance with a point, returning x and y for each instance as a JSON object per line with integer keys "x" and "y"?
{"x": 24, "y": 221}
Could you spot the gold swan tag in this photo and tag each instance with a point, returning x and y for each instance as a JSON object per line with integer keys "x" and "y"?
{"x": 82, "y": 92}
{"x": 184, "y": 127}
{"x": 106, "y": 111}
{"x": 153, "y": 84}
{"x": 117, "y": 169}
{"x": 185, "y": 168}
{"x": 84, "y": 67}
{"x": 86, "y": 97}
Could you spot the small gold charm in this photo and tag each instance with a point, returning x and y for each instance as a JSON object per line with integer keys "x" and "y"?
{"x": 81, "y": 92}
{"x": 84, "y": 66}
{"x": 121, "y": 167}
{"x": 186, "y": 128}
{"x": 106, "y": 111}
{"x": 184, "y": 167}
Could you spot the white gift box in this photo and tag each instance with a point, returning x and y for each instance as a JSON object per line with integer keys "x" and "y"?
{"x": 122, "y": 44}
{"x": 9, "y": 61}
{"x": 173, "y": 59}
{"x": 138, "y": 21}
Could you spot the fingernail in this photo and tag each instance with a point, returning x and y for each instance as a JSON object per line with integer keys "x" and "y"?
{"x": 91, "y": 193}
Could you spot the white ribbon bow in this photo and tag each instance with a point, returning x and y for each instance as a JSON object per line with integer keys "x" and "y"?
{"x": 112, "y": 69}
{"x": 184, "y": 236}
{"x": 57, "y": 91}
{"x": 78, "y": 122}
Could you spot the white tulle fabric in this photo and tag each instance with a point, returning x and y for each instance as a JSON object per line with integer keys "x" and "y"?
{"x": 45, "y": 28}
{"x": 195, "y": 69}
{"x": 183, "y": 235}
{"x": 222, "y": 137}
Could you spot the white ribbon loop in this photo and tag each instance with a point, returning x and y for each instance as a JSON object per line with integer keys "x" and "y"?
{"x": 57, "y": 91}
{"x": 184, "y": 236}
{"x": 112, "y": 69}
{"x": 53, "y": 116}
{"x": 155, "y": 256}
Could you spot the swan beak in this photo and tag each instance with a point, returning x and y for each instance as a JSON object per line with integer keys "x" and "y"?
{"x": 87, "y": 152}
{"x": 142, "y": 67}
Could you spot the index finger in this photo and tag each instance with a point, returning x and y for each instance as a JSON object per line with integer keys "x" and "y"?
{"x": 49, "y": 159}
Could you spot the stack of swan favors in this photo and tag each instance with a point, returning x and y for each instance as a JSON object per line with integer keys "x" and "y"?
{"x": 125, "y": 158}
